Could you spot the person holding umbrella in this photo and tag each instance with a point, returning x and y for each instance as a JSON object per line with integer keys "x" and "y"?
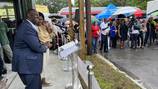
{"x": 122, "y": 33}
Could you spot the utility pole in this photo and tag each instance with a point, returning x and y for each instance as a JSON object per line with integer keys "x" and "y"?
{"x": 70, "y": 16}
{"x": 81, "y": 31}
{"x": 70, "y": 13}
{"x": 71, "y": 29}
{"x": 88, "y": 26}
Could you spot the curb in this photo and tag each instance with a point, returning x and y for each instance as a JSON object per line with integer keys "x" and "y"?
{"x": 137, "y": 82}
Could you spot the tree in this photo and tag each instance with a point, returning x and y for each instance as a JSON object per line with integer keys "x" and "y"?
{"x": 53, "y": 5}
{"x": 56, "y": 5}
{"x": 138, "y": 3}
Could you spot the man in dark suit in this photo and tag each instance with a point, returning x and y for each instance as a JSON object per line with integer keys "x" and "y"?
{"x": 28, "y": 52}
{"x": 1, "y": 67}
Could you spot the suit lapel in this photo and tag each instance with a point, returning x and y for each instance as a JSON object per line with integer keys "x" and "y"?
{"x": 30, "y": 25}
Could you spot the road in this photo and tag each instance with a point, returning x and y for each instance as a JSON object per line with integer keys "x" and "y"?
{"x": 141, "y": 64}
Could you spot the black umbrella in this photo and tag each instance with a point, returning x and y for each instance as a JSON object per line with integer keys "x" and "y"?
{"x": 56, "y": 16}
{"x": 121, "y": 16}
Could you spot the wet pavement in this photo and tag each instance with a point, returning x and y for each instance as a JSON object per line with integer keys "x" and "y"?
{"x": 140, "y": 64}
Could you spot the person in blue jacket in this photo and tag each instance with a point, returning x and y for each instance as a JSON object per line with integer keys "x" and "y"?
{"x": 28, "y": 52}
{"x": 113, "y": 35}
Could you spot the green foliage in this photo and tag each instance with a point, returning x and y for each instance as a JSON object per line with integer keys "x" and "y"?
{"x": 138, "y": 3}
{"x": 39, "y": 1}
{"x": 56, "y": 5}
{"x": 53, "y": 5}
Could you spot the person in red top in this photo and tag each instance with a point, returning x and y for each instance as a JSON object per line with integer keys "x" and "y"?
{"x": 95, "y": 34}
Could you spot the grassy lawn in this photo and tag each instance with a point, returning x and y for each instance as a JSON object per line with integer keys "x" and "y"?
{"x": 109, "y": 78}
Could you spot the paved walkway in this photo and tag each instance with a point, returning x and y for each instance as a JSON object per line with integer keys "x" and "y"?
{"x": 7, "y": 78}
{"x": 141, "y": 64}
{"x": 56, "y": 75}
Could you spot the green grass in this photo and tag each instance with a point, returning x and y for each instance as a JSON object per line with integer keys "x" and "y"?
{"x": 108, "y": 78}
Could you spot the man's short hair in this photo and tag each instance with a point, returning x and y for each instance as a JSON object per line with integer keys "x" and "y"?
{"x": 30, "y": 11}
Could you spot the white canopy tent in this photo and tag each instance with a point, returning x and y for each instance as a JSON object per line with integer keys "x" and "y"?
{"x": 152, "y": 8}
{"x": 125, "y": 10}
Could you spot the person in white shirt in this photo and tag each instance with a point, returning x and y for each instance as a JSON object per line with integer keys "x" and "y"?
{"x": 104, "y": 35}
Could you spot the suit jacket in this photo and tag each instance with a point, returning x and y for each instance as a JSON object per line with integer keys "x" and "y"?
{"x": 1, "y": 66}
{"x": 27, "y": 51}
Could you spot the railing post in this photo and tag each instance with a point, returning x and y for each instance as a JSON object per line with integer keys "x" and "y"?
{"x": 90, "y": 74}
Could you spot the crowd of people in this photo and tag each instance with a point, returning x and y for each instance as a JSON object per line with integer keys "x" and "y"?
{"x": 35, "y": 36}
{"x": 131, "y": 32}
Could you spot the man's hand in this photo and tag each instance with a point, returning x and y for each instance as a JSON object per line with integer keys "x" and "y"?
{"x": 48, "y": 44}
